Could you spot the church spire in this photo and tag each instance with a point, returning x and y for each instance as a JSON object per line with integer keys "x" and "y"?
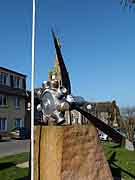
{"x": 56, "y": 69}
{"x": 62, "y": 74}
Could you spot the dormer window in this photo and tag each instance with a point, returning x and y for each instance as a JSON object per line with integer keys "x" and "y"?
{"x": 15, "y": 81}
{"x": 3, "y": 78}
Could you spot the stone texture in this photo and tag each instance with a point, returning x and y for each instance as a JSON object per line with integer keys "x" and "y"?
{"x": 70, "y": 153}
{"x": 83, "y": 157}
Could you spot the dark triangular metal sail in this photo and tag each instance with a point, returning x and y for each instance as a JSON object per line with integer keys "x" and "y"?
{"x": 64, "y": 74}
{"x": 115, "y": 135}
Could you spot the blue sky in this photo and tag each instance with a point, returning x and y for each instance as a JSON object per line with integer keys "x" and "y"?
{"x": 15, "y": 35}
{"x": 98, "y": 44}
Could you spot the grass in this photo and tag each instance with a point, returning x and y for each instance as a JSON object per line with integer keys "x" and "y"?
{"x": 8, "y": 169}
{"x": 121, "y": 161}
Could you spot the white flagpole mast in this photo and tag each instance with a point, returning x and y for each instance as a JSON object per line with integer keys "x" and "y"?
{"x": 32, "y": 87}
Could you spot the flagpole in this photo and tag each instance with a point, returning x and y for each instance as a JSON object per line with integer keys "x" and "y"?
{"x": 32, "y": 87}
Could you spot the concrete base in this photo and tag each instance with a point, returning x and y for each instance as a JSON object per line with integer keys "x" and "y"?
{"x": 69, "y": 153}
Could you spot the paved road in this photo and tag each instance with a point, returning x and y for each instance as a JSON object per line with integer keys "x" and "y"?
{"x": 14, "y": 147}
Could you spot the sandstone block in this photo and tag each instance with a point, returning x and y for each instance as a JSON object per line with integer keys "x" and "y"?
{"x": 69, "y": 153}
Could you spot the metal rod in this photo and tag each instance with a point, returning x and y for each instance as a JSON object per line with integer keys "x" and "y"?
{"x": 32, "y": 87}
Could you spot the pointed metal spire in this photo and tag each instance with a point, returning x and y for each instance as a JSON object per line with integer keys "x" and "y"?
{"x": 65, "y": 81}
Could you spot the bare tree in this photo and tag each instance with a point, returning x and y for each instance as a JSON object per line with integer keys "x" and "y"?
{"x": 130, "y": 126}
{"x": 127, "y": 3}
{"x": 128, "y": 112}
{"x": 127, "y": 121}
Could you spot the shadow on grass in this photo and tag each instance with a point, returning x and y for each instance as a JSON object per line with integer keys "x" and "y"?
{"x": 23, "y": 178}
{"x": 6, "y": 165}
{"x": 116, "y": 146}
{"x": 126, "y": 172}
{"x": 115, "y": 169}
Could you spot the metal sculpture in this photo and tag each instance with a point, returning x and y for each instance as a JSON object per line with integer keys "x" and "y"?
{"x": 55, "y": 100}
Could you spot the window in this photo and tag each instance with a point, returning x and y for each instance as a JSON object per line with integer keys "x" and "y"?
{"x": 17, "y": 101}
{"x": 3, "y": 100}
{"x": 3, "y": 78}
{"x": 15, "y": 81}
{"x": 3, "y": 124}
{"x": 18, "y": 123}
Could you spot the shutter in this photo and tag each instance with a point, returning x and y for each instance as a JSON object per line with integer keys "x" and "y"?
{"x": 11, "y": 81}
{"x": 23, "y": 84}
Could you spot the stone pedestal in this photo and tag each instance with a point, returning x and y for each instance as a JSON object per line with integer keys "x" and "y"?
{"x": 69, "y": 153}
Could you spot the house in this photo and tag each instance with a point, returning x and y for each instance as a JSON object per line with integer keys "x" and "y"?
{"x": 12, "y": 99}
{"x": 107, "y": 111}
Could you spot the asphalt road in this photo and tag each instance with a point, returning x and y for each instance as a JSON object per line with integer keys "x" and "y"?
{"x": 14, "y": 147}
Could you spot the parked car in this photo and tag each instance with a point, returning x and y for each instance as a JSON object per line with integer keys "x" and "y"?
{"x": 4, "y": 136}
{"x": 103, "y": 136}
{"x": 19, "y": 133}
{"x": 123, "y": 132}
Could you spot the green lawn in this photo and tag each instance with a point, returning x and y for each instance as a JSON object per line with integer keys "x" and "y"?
{"x": 8, "y": 169}
{"x": 121, "y": 161}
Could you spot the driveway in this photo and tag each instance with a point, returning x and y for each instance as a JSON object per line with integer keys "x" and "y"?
{"x": 14, "y": 147}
